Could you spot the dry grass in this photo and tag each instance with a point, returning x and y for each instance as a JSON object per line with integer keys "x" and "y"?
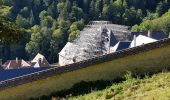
{"x": 156, "y": 87}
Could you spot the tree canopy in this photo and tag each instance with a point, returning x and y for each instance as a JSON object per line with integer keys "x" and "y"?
{"x": 9, "y": 31}
{"x": 51, "y": 23}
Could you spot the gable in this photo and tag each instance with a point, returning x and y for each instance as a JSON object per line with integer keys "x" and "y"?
{"x": 155, "y": 35}
{"x": 121, "y": 46}
{"x": 140, "y": 40}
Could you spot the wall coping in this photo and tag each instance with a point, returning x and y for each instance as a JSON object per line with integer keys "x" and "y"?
{"x": 83, "y": 64}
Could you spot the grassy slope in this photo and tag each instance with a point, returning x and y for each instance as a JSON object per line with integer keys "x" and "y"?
{"x": 150, "y": 88}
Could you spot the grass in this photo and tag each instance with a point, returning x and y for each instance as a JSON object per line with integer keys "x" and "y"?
{"x": 156, "y": 87}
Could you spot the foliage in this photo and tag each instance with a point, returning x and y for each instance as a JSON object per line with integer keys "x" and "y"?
{"x": 147, "y": 88}
{"x": 158, "y": 24}
{"x": 9, "y": 31}
{"x": 70, "y": 16}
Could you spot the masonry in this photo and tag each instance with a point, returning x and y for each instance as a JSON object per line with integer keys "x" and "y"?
{"x": 147, "y": 58}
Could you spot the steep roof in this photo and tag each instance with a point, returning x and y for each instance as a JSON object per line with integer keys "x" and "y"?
{"x": 15, "y": 64}
{"x": 94, "y": 40}
{"x": 113, "y": 39}
{"x": 123, "y": 45}
{"x": 120, "y": 46}
{"x": 36, "y": 58}
{"x": 68, "y": 49}
{"x": 158, "y": 35}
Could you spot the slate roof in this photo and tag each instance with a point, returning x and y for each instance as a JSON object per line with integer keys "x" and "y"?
{"x": 120, "y": 46}
{"x": 158, "y": 35}
{"x": 123, "y": 45}
{"x": 68, "y": 49}
{"x": 113, "y": 39}
{"x": 94, "y": 40}
{"x": 12, "y": 73}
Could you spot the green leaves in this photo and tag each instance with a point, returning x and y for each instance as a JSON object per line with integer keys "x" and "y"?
{"x": 57, "y": 33}
{"x": 158, "y": 24}
{"x": 9, "y": 31}
{"x": 75, "y": 29}
{"x": 73, "y": 35}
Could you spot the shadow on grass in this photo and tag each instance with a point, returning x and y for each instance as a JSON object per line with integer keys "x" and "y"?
{"x": 80, "y": 89}
{"x": 87, "y": 87}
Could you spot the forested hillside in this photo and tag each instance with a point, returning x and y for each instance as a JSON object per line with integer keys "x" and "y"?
{"x": 157, "y": 24}
{"x": 49, "y": 24}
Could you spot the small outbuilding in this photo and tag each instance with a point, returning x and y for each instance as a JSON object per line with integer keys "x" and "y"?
{"x": 39, "y": 61}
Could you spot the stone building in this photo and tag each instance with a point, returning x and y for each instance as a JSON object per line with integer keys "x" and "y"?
{"x": 96, "y": 39}
{"x": 39, "y": 61}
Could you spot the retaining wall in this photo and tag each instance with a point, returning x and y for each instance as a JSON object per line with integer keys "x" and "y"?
{"x": 151, "y": 57}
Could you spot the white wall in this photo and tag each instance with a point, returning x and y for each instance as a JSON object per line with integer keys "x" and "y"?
{"x": 64, "y": 61}
{"x": 140, "y": 40}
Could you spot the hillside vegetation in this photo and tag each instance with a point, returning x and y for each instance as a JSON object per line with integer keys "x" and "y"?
{"x": 156, "y": 87}
{"x": 52, "y": 23}
{"x": 158, "y": 24}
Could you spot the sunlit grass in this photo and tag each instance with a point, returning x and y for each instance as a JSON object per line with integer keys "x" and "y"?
{"x": 149, "y": 88}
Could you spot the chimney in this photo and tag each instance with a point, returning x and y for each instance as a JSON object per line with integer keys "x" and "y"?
{"x": 150, "y": 33}
{"x": 39, "y": 60}
{"x": 134, "y": 38}
{"x": 110, "y": 32}
{"x": 0, "y": 62}
{"x": 16, "y": 59}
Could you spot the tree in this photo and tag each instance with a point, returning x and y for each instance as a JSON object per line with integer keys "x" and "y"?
{"x": 68, "y": 6}
{"x": 40, "y": 41}
{"x": 56, "y": 44}
{"x": 98, "y": 9}
{"x": 135, "y": 28}
{"x": 77, "y": 25}
{"x": 75, "y": 29}
{"x": 10, "y": 34}
{"x": 60, "y": 7}
{"x": 51, "y": 11}
{"x": 76, "y": 14}
{"x": 47, "y": 22}
{"x": 9, "y": 31}
{"x": 47, "y": 2}
{"x": 73, "y": 35}
{"x": 25, "y": 12}
{"x": 58, "y": 33}
{"x": 129, "y": 17}
{"x": 159, "y": 8}
{"x": 23, "y": 22}
{"x": 32, "y": 20}
{"x": 86, "y": 4}
{"x": 42, "y": 15}
{"x": 92, "y": 10}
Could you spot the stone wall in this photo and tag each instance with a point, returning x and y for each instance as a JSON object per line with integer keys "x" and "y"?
{"x": 147, "y": 58}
